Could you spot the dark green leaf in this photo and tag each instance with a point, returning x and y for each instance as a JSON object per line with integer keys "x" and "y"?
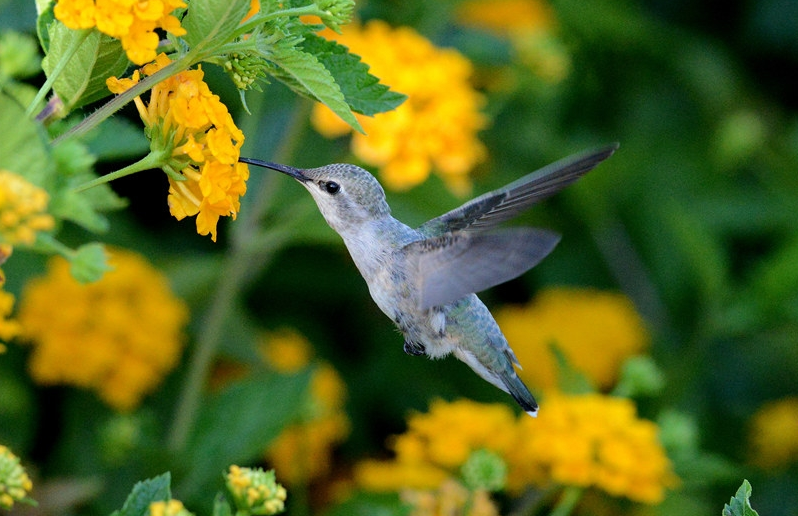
{"x": 144, "y": 493}
{"x": 740, "y": 504}
{"x": 213, "y": 20}
{"x": 236, "y": 426}
{"x": 306, "y": 75}
{"x": 83, "y": 79}
{"x": 362, "y": 91}
{"x": 371, "y": 504}
{"x": 45, "y": 18}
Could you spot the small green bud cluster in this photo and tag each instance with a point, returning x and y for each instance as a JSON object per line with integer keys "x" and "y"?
{"x": 336, "y": 12}
{"x": 484, "y": 470}
{"x": 255, "y": 491}
{"x": 244, "y": 70}
{"x": 14, "y": 482}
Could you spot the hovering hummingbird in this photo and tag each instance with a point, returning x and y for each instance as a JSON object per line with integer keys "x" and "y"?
{"x": 425, "y": 279}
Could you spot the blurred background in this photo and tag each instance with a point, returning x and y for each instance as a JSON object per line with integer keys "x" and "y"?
{"x": 693, "y": 221}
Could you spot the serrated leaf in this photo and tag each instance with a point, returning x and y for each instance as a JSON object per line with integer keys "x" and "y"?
{"x": 740, "y": 504}
{"x": 213, "y": 20}
{"x": 236, "y": 426}
{"x": 363, "y": 92}
{"x": 23, "y": 147}
{"x": 83, "y": 79}
{"x": 307, "y": 76}
{"x": 144, "y": 493}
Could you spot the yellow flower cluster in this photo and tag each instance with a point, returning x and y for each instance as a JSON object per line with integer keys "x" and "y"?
{"x": 451, "y": 498}
{"x": 133, "y": 23}
{"x": 595, "y": 330}
{"x": 774, "y": 434}
{"x": 14, "y": 482}
{"x": 587, "y": 440}
{"x": 168, "y": 508}
{"x": 530, "y": 27}
{"x": 23, "y": 210}
{"x": 302, "y": 452}
{"x": 434, "y": 128}
{"x": 255, "y": 491}
{"x": 119, "y": 336}
{"x": 185, "y": 116}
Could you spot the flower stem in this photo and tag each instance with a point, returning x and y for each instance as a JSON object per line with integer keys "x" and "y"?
{"x": 48, "y": 84}
{"x": 238, "y": 265}
{"x": 148, "y": 162}
{"x": 570, "y": 497}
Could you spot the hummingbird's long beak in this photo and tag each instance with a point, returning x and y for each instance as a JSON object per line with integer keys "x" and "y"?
{"x": 285, "y": 169}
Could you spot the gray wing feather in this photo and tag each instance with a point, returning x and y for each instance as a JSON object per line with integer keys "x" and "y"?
{"x": 492, "y": 208}
{"x": 450, "y": 267}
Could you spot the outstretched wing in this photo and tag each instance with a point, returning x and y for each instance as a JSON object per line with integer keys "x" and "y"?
{"x": 492, "y": 208}
{"x": 452, "y": 266}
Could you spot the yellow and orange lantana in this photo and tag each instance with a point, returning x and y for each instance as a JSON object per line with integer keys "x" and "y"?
{"x": 133, "y": 23}
{"x": 435, "y": 128}
{"x": 185, "y": 116}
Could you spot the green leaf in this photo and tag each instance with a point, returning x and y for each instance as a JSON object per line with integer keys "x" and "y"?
{"x": 306, "y": 75}
{"x": 144, "y": 493}
{"x": 236, "y": 426}
{"x": 83, "y": 79}
{"x": 221, "y": 507}
{"x": 569, "y": 379}
{"x": 213, "y": 21}
{"x": 23, "y": 147}
{"x": 371, "y": 504}
{"x": 89, "y": 263}
{"x": 362, "y": 91}
{"x": 740, "y": 504}
{"x": 74, "y": 165}
{"x": 43, "y": 21}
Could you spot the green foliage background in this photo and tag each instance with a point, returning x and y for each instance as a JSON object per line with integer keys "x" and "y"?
{"x": 694, "y": 218}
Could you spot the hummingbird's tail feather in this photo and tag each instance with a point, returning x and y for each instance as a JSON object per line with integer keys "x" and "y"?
{"x": 518, "y": 390}
{"x": 505, "y": 379}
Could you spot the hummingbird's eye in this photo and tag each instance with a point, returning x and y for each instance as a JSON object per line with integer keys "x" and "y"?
{"x": 331, "y": 187}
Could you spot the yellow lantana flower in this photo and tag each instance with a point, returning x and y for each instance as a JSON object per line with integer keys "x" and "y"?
{"x": 591, "y": 440}
{"x": 255, "y": 491}
{"x": 774, "y": 434}
{"x": 435, "y": 128}
{"x": 133, "y": 23}
{"x": 303, "y": 451}
{"x": 23, "y": 210}
{"x": 118, "y": 336}
{"x": 595, "y": 330}
{"x": 438, "y": 443}
{"x": 451, "y": 498}
{"x": 185, "y": 117}
{"x": 588, "y": 440}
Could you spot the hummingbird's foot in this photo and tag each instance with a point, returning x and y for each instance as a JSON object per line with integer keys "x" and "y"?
{"x": 414, "y": 348}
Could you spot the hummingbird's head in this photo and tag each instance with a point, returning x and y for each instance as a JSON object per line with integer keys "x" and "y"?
{"x": 346, "y": 195}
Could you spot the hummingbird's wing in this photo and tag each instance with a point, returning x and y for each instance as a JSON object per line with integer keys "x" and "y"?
{"x": 452, "y": 266}
{"x": 492, "y": 208}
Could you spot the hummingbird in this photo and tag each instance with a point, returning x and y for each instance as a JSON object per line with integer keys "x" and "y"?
{"x": 425, "y": 279}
